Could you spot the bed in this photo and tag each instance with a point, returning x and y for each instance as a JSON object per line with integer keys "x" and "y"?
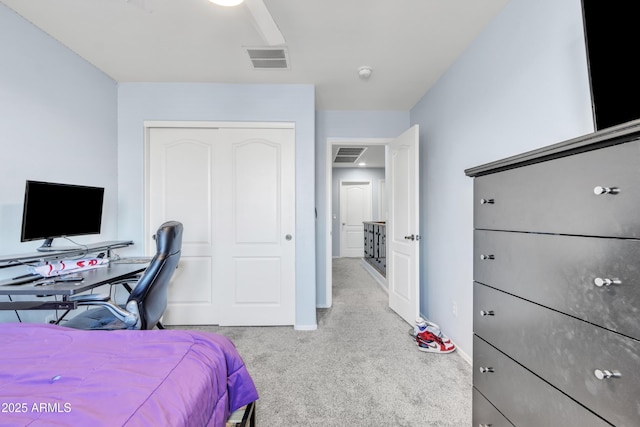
{"x": 56, "y": 376}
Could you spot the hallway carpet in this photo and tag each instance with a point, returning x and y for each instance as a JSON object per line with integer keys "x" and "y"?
{"x": 360, "y": 368}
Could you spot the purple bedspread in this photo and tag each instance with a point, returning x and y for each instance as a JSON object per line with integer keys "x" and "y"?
{"x": 55, "y": 376}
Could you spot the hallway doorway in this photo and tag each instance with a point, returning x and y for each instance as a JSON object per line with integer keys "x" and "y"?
{"x": 401, "y": 178}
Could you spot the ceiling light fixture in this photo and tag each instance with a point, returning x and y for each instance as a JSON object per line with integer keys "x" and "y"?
{"x": 226, "y": 2}
{"x": 364, "y": 72}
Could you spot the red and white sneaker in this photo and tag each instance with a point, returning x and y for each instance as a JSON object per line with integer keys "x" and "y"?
{"x": 425, "y": 325}
{"x": 430, "y": 343}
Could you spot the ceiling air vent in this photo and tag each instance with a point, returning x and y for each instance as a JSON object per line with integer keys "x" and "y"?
{"x": 268, "y": 58}
{"x": 348, "y": 154}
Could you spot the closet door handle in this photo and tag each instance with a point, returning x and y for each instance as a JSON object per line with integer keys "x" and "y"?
{"x": 485, "y": 257}
{"x": 487, "y": 313}
{"x": 486, "y": 370}
{"x": 487, "y": 201}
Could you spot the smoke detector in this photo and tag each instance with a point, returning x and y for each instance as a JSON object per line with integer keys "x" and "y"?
{"x": 364, "y": 72}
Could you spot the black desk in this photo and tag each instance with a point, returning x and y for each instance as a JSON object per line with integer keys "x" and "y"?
{"x": 92, "y": 279}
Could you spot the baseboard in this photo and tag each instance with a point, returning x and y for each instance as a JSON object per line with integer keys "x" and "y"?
{"x": 305, "y": 327}
{"x": 379, "y": 278}
{"x": 462, "y": 354}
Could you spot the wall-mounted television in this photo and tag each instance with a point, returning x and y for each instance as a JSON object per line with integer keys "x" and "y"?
{"x": 59, "y": 210}
{"x": 612, "y": 39}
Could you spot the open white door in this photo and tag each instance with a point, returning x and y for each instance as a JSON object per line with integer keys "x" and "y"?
{"x": 403, "y": 249}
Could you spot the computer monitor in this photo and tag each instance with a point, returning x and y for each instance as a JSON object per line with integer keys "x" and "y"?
{"x": 59, "y": 210}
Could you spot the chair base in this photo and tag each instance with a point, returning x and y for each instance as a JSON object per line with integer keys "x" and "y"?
{"x": 243, "y": 417}
{"x": 95, "y": 319}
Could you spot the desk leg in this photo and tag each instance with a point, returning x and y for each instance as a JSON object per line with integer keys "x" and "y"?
{"x": 57, "y": 322}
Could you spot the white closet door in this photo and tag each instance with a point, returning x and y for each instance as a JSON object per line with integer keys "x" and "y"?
{"x": 233, "y": 189}
{"x": 257, "y": 219}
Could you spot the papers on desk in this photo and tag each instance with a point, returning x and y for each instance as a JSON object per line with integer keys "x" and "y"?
{"x": 68, "y": 266}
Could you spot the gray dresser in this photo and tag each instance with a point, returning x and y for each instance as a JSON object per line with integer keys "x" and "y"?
{"x": 557, "y": 284}
{"x": 375, "y": 248}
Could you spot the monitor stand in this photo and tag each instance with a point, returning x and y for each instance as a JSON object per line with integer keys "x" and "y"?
{"x": 46, "y": 247}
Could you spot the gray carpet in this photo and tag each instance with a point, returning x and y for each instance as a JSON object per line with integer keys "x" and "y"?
{"x": 360, "y": 368}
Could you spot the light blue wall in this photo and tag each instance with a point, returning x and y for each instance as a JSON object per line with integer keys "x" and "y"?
{"x": 344, "y": 124}
{"x": 521, "y": 85}
{"x": 57, "y": 123}
{"x": 374, "y": 175}
{"x": 138, "y": 102}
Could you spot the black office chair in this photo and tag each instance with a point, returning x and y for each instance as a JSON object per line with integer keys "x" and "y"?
{"x": 148, "y": 299}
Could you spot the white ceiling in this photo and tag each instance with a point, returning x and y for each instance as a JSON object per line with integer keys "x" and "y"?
{"x": 408, "y": 43}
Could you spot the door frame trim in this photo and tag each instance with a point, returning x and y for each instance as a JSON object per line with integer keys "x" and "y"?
{"x": 331, "y": 141}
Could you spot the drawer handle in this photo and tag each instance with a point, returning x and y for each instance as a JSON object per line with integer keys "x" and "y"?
{"x": 487, "y": 201}
{"x": 487, "y": 313}
{"x": 605, "y": 190}
{"x": 604, "y": 374}
{"x": 600, "y": 282}
{"x": 486, "y": 370}
{"x": 486, "y": 257}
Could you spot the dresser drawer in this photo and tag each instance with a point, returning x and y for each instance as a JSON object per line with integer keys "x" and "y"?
{"x": 558, "y": 196}
{"x": 564, "y": 351}
{"x": 563, "y": 273}
{"x": 485, "y": 414}
{"x": 523, "y": 398}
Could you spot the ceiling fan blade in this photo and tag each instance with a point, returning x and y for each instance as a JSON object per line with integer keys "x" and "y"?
{"x": 264, "y": 22}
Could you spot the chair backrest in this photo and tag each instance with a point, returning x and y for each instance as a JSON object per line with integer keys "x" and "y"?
{"x": 150, "y": 293}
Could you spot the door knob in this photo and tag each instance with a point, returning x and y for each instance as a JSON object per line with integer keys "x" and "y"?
{"x": 288, "y": 237}
{"x": 412, "y": 237}
{"x": 487, "y": 201}
{"x": 487, "y": 370}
